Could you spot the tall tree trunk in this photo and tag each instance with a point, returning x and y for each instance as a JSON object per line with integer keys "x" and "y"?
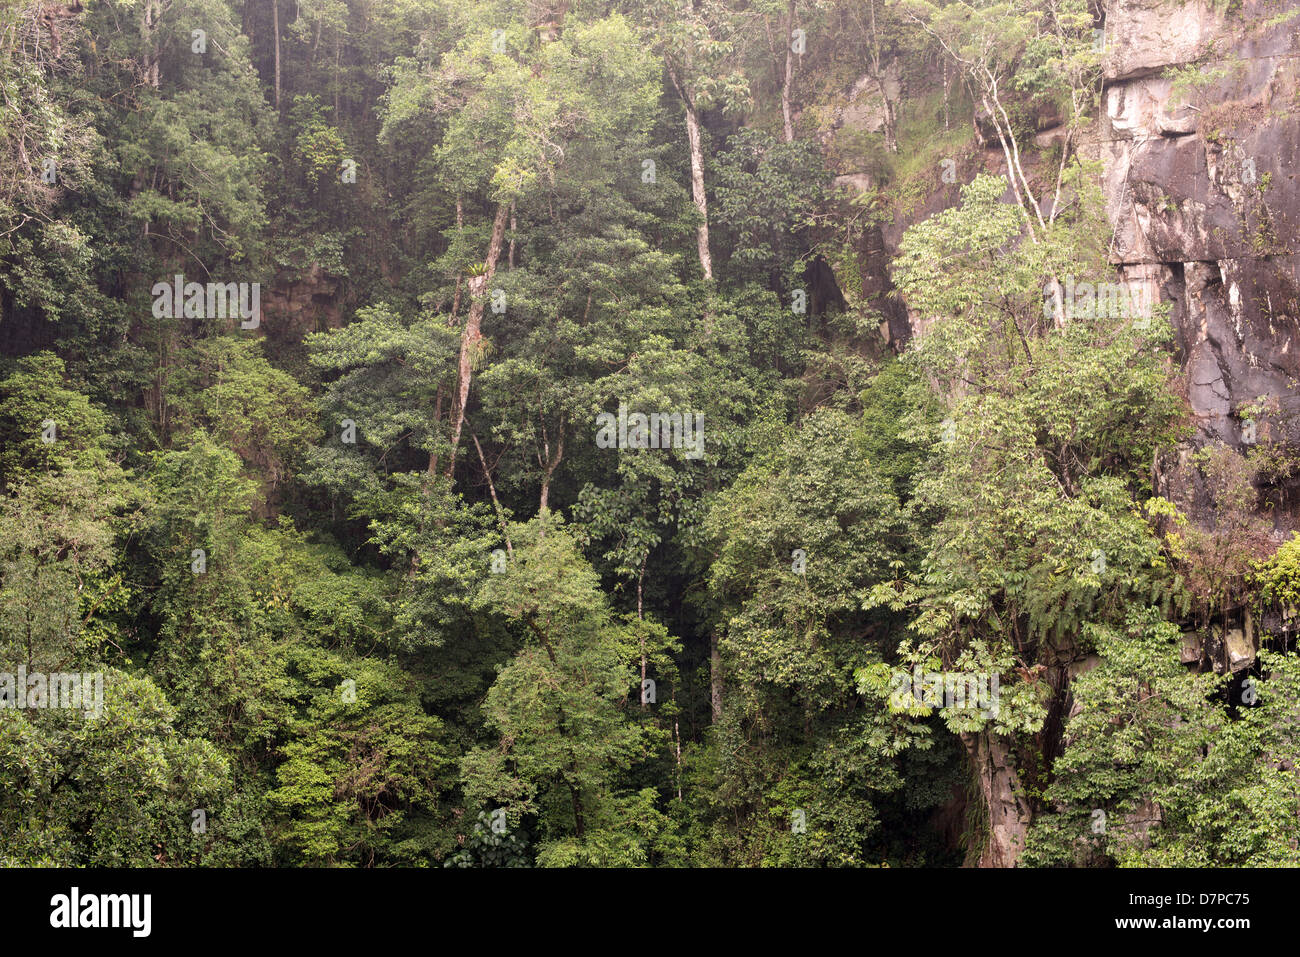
{"x": 697, "y": 189}
{"x": 891, "y": 121}
{"x": 1009, "y": 813}
{"x": 697, "y": 170}
{"x": 878, "y": 74}
{"x": 151, "y": 14}
{"x": 460, "y": 226}
{"x": 275, "y": 27}
{"x": 947, "y": 124}
{"x": 993, "y": 104}
{"x": 470, "y": 338}
{"x": 789, "y": 75}
{"x": 640, "y": 596}
{"x": 510, "y": 259}
{"x": 549, "y": 467}
{"x": 715, "y": 677}
{"x": 496, "y": 502}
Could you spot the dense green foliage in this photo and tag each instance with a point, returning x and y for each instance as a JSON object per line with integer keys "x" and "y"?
{"x": 364, "y": 584}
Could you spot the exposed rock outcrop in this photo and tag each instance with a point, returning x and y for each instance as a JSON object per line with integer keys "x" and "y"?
{"x": 300, "y": 302}
{"x": 1201, "y": 189}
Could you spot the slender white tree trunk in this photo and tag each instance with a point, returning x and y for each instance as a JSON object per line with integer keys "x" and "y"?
{"x": 470, "y": 338}
{"x": 275, "y": 25}
{"x": 697, "y": 189}
{"x": 789, "y": 75}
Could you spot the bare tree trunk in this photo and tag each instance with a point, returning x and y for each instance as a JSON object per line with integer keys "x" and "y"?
{"x": 151, "y": 14}
{"x": 1009, "y": 814}
{"x": 552, "y": 463}
{"x": 501, "y": 515}
{"x": 470, "y": 338}
{"x": 1013, "y": 152}
{"x": 891, "y": 121}
{"x": 697, "y": 189}
{"x": 878, "y": 74}
{"x": 460, "y": 225}
{"x": 715, "y": 677}
{"x": 979, "y": 72}
{"x": 275, "y": 24}
{"x": 947, "y": 118}
{"x": 1011, "y": 171}
{"x": 697, "y": 171}
{"x": 510, "y": 259}
{"x": 789, "y": 75}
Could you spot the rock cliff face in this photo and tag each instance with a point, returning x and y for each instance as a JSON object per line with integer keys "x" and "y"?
{"x": 301, "y": 302}
{"x": 1200, "y": 182}
{"x": 1201, "y": 189}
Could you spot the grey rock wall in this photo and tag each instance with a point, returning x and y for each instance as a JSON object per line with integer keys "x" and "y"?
{"x": 1201, "y": 189}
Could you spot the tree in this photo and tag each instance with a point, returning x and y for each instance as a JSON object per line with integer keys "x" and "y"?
{"x": 767, "y": 197}
{"x": 799, "y": 537}
{"x": 695, "y": 41}
{"x": 1048, "y": 52}
{"x": 511, "y": 118}
{"x": 558, "y": 708}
